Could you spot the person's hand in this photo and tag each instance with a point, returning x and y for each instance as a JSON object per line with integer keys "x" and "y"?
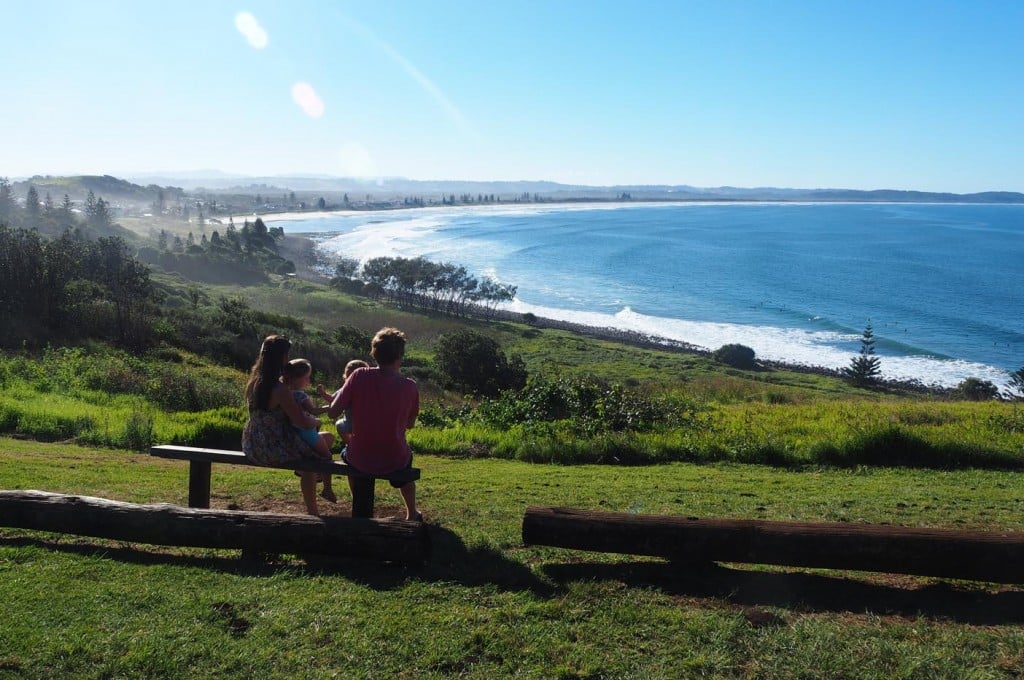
{"x": 323, "y": 393}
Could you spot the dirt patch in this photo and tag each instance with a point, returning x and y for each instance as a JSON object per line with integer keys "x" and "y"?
{"x": 343, "y": 508}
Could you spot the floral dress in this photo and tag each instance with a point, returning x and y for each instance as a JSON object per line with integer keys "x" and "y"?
{"x": 268, "y": 438}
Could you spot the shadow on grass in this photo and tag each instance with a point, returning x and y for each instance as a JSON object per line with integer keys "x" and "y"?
{"x": 450, "y": 561}
{"x": 806, "y": 591}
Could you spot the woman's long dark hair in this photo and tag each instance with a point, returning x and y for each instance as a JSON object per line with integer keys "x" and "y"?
{"x": 266, "y": 371}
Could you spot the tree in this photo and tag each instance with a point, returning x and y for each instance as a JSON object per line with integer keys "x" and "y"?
{"x": 864, "y": 368}
{"x": 6, "y": 201}
{"x": 737, "y": 356}
{"x": 346, "y": 268}
{"x": 975, "y": 389}
{"x": 32, "y": 203}
{"x": 65, "y": 208}
{"x": 475, "y": 362}
{"x": 1015, "y": 386}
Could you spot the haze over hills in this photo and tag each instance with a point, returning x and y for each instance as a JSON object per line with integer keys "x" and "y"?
{"x": 397, "y": 186}
{"x": 142, "y": 188}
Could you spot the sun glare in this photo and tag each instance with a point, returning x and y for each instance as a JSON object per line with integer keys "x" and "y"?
{"x": 356, "y": 161}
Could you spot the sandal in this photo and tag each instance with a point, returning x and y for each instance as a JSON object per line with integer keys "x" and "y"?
{"x": 329, "y": 496}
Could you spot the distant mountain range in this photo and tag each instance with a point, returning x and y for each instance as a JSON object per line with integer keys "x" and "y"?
{"x": 142, "y": 187}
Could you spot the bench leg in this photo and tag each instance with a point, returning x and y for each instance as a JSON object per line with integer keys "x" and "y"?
{"x": 362, "y": 496}
{"x": 199, "y": 484}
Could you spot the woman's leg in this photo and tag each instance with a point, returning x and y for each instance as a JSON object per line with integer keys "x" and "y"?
{"x": 307, "y": 481}
{"x": 408, "y": 492}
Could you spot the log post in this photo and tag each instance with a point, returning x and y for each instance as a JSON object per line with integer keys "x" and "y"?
{"x": 199, "y": 483}
{"x": 261, "y": 532}
{"x": 975, "y": 555}
{"x": 363, "y": 491}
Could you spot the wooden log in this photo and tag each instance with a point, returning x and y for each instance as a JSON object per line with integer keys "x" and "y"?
{"x": 996, "y": 556}
{"x": 260, "y": 532}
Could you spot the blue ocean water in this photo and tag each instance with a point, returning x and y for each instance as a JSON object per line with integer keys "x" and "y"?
{"x": 941, "y": 284}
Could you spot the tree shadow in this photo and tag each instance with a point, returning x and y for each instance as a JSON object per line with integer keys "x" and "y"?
{"x": 806, "y": 591}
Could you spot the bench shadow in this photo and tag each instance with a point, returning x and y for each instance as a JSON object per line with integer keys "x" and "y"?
{"x": 450, "y": 561}
{"x": 807, "y": 591}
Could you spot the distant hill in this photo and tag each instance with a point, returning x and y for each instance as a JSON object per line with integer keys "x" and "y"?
{"x": 392, "y": 187}
{"x": 78, "y": 187}
{"x": 143, "y": 189}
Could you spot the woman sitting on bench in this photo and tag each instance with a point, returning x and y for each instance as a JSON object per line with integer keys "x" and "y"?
{"x": 384, "y": 405}
{"x": 268, "y": 437}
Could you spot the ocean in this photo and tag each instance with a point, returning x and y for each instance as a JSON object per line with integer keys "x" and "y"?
{"x": 941, "y": 284}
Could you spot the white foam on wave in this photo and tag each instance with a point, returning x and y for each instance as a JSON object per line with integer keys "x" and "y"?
{"x": 392, "y": 238}
{"x": 826, "y": 349}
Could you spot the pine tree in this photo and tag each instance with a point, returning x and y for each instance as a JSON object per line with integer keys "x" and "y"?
{"x": 864, "y": 368}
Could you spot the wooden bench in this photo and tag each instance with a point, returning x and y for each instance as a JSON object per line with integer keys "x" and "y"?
{"x": 201, "y": 460}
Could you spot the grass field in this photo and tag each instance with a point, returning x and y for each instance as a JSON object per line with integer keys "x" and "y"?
{"x": 485, "y": 606}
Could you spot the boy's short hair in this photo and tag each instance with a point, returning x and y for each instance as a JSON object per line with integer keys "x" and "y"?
{"x": 296, "y": 368}
{"x": 351, "y": 366}
{"x": 388, "y": 345}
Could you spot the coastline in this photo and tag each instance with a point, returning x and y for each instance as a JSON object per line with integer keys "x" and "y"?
{"x": 570, "y": 204}
{"x": 635, "y": 338}
{"x": 776, "y": 344}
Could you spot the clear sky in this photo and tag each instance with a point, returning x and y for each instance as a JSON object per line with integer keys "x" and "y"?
{"x": 859, "y": 94}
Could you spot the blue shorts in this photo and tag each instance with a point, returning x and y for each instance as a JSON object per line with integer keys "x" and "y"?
{"x": 309, "y": 435}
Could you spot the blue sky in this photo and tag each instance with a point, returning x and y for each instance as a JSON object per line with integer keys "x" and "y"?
{"x": 830, "y": 93}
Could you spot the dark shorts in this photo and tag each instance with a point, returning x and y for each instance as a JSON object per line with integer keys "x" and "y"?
{"x": 394, "y": 485}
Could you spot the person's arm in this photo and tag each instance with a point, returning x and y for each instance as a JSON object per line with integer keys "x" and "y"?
{"x": 324, "y": 394}
{"x": 312, "y": 409}
{"x": 283, "y": 398}
{"x": 415, "y": 410}
{"x": 343, "y": 398}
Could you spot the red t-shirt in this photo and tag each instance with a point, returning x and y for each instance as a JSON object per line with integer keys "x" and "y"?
{"x": 383, "y": 406}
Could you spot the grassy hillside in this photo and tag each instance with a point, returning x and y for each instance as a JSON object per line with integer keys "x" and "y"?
{"x": 485, "y": 606}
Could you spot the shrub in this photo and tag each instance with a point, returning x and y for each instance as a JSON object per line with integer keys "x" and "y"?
{"x": 975, "y": 389}
{"x": 475, "y": 362}
{"x": 737, "y": 356}
{"x": 138, "y": 431}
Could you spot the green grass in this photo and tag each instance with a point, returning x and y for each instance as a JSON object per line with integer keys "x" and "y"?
{"x": 485, "y": 606}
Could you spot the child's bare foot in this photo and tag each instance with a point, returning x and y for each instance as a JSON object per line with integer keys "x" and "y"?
{"x": 328, "y": 495}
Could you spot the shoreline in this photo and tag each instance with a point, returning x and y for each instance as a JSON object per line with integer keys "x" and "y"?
{"x": 645, "y": 341}
{"x": 567, "y": 204}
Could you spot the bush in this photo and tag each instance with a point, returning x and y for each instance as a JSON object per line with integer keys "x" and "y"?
{"x": 975, "y": 389}
{"x": 474, "y": 362}
{"x": 737, "y": 356}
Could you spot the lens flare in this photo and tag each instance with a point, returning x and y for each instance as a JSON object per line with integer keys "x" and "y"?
{"x": 254, "y": 34}
{"x": 308, "y": 100}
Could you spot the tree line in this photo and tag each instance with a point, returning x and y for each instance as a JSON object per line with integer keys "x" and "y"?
{"x": 239, "y": 255}
{"x": 71, "y": 286}
{"x": 438, "y": 286}
{"x": 50, "y": 217}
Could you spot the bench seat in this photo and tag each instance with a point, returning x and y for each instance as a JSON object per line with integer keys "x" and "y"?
{"x": 200, "y": 461}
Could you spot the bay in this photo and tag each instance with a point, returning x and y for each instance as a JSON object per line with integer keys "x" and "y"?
{"x": 940, "y": 283}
